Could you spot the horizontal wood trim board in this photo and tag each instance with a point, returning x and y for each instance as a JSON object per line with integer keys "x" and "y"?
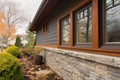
{"x": 46, "y": 45}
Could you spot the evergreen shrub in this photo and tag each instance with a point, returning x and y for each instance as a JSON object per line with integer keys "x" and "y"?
{"x": 15, "y": 51}
{"x": 10, "y": 67}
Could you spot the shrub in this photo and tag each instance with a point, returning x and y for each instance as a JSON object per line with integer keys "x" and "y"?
{"x": 31, "y": 51}
{"x": 18, "y": 41}
{"x": 10, "y": 67}
{"x": 37, "y": 50}
{"x": 26, "y": 51}
{"x": 14, "y": 51}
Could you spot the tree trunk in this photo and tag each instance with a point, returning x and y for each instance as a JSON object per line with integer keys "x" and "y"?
{"x": 2, "y": 47}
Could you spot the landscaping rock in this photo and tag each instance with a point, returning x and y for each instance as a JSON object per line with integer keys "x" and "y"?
{"x": 45, "y": 75}
{"x": 33, "y": 71}
{"x": 38, "y": 59}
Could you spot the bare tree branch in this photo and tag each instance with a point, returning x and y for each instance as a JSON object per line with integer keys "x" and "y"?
{"x": 13, "y": 16}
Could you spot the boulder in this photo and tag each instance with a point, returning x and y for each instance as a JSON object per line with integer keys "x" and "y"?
{"x": 45, "y": 75}
{"x": 38, "y": 59}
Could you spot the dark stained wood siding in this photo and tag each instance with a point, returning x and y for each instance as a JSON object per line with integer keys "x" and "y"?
{"x": 51, "y": 37}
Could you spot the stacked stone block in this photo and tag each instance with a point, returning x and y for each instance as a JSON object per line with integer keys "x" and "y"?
{"x": 71, "y": 65}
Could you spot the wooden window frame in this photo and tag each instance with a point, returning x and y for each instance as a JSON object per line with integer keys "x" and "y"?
{"x": 59, "y": 30}
{"x": 84, "y": 45}
{"x": 71, "y": 14}
{"x": 104, "y": 44}
{"x": 97, "y": 31}
{"x": 44, "y": 29}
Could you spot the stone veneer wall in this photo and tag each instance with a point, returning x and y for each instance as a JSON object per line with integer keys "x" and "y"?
{"x": 71, "y": 65}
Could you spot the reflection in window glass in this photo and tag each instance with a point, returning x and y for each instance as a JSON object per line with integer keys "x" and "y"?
{"x": 116, "y": 2}
{"x": 113, "y": 21}
{"x": 83, "y": 24}
{"x": 65, "y": 30}
{"x": 109, "y": 3}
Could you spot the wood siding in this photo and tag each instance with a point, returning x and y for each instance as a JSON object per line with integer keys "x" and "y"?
{"x": 51, "y": 37}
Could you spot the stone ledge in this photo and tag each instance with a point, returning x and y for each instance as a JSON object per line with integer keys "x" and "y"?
{"x": 107, "y": 60}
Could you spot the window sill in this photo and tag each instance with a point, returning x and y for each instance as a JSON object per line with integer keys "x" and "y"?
{"x": 111, "y": 46}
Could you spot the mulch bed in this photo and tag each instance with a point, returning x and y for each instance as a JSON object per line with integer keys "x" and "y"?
{"x": 30, "y": 68}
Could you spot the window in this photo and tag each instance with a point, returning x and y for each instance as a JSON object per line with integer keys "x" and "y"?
{"x": 83, "y": 25}
{"x": 65, "y": 30}
{"x": 112, "y": 19}
{"x": 44, "y": 29}
{"x": 92, "y": 25}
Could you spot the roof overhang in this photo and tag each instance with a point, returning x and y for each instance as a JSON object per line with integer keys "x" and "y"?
{"x": 44, "y": 9}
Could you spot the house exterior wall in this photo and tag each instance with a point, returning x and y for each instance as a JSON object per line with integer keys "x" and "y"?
{"x": 51, "y": 22}
{"x": 50, "y": 37}
{"x": 71, "y": 65}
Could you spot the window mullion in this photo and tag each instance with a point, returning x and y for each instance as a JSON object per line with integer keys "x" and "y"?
{"x": 95, "y": 24}
{"x": 71, "y": 30}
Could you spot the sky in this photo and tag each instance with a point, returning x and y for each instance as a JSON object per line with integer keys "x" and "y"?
{"x": 30, "y": 7}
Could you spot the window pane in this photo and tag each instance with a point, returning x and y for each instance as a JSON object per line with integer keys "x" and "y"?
{"x": 116, "y": 2}
{"x": 109, "y": 3}
{"x": 113, "y": 22}
{"x": 84, "y": 25}
{"x": 65, "y": 29}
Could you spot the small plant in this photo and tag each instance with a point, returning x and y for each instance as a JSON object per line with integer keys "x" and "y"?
{"x": 31, "y": 51}
{"x": 38, "y": 59}
{"x": 10, "y": 67}
{"x": 15, "y": 51}
{"x": 26, "y": 51}
{"x": 37, "y": 50}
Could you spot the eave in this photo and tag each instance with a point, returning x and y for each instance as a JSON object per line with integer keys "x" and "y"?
{"x": 44, "y": 9}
